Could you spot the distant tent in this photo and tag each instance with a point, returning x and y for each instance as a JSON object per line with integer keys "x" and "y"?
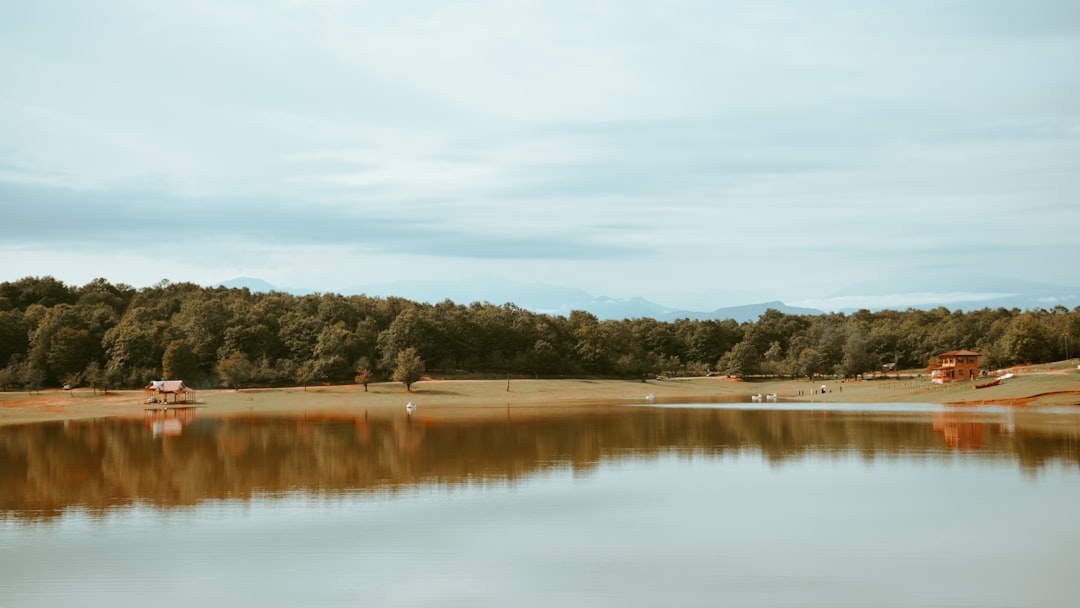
{"x": 168, "y": 391}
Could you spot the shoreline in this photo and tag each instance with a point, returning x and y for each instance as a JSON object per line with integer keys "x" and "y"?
{"x": 465, "y": 399}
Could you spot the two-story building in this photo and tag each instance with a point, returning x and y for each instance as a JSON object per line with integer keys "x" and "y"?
{"x": 956, "y": 365}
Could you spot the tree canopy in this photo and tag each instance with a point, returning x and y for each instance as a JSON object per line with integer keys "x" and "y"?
{"x": 114, "y": 336}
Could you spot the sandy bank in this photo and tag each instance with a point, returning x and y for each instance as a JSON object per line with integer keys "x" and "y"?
{"x": 1047, "y": 386}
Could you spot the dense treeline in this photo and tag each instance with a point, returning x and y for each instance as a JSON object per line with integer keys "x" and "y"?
{"x": 112, "y": 336}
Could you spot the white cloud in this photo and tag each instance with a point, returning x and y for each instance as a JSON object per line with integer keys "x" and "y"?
{"x": 593, "y": 142}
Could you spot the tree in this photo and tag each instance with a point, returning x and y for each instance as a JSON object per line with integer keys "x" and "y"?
{"x": 13, "y": 335}
{"x": 14, "y": 374}
{"x": 585, "y": 329}
{"x": 363, "y": 372}
{"x": 33, "y": 377}
{"x": 334, "y": 348}
{"x": 544, "y": 356}
{"x": 809, "y": 361}
{"x": 94, "y": 376}
{"x": 67, "y": 352}
{"x": 202, "y": 324}
{"x": 136, "y": 345}
{"x": 9, "y": 377}
{"x": 409, "y": 369}
{"x": 632, "y": 366}
{"x": 179, "y": 361}
{"x": 668, "y": 365}
{"x": 1027, "y": 340}
{"x": 774, "y": 358}
{"x": 236, "y": 370}
{"x": 113, "y": 376}
{"x": 407, "y": 328}
{"x": 67, "y": 337}
{"x": 299, "y": 328}
{"x": 305, "y": 373}
{"x": 708, "y": 340}
{"x": 743, "y": 360}
{"x": 857, "y": 356}
{"x": 276, "y": 372}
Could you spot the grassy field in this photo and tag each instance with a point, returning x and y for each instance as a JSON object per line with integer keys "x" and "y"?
{"x": 1055, "y": 384}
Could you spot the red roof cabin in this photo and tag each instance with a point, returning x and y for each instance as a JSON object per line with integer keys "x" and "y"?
{"x": 956, "y": 365}
{"x": 168, "y": 391}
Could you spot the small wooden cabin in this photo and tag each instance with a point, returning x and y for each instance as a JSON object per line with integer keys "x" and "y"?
{"x": 956, "y": 365}
{"x": 168, "y": 391}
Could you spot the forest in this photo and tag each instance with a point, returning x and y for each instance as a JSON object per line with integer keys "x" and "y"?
{"x": 109, "y": 336}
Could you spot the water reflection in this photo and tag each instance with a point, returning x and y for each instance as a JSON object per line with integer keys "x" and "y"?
{"x": 169, "y": 422}
{"x": 959, "y": 431}
{"x": 184, "y": 460}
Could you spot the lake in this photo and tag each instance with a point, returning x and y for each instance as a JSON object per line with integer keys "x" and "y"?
{"x": 673, "y": 505}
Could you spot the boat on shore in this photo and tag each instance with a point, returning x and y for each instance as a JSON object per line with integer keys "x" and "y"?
{"x": 994, "y": 382}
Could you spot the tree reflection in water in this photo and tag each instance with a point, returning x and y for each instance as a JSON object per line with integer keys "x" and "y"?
{"x": 108, "y": 463}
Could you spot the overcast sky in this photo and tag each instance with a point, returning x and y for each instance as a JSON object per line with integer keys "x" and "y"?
{"x": 751, "y": 150}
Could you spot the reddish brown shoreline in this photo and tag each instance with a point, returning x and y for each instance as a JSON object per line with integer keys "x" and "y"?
{"x": 485, "y": 398}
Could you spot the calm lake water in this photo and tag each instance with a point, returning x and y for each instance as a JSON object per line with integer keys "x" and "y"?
{"x": 680, "y": 505}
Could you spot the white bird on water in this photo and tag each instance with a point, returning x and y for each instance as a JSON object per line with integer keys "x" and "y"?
{"x": 650, "y": 397}
{"x": 410, "y": 407}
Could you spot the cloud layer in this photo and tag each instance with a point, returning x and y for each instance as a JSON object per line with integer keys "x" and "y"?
{"x": 752, "y": 146}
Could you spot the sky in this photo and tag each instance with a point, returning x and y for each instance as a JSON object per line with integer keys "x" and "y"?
{"x": 684, "y": 151}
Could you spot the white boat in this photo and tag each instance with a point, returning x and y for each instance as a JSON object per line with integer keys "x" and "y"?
{"x": 410, "y": 407}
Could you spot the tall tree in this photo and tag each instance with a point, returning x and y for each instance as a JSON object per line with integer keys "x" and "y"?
{"x": 68, "y": 351}
{"x": 363, "y": 372}
{"x": 857, "y": 356}
{"x": 1028, "y": 340}
{"x": 306, "y": 373}
{"x": 335, "y": 348}
{"x": 409, "y": 368}
{"x": 179, "y": 362}
{"x": 202, "y": 322}
{"x": 13, "y": 335}
{"x": 94, "y": 376}
{"x": 589, "y": 347}
{"x": 743, "y": 360}
{"x": 136, "y": 345}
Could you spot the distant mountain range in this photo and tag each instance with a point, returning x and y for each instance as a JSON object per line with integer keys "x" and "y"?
{"x": 964, "y": 293}
{"x": 970, "y": 291}
{"x": 540, "y": 298}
